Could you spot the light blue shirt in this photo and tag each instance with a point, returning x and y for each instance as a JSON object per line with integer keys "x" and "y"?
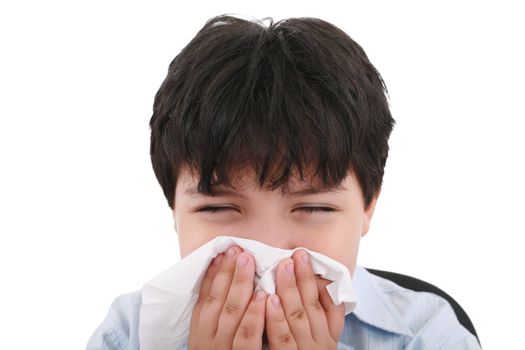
{"x": 387, "y": 316}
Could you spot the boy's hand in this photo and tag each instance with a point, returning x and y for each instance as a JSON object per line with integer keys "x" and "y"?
{"x": 302, "y": 315}
{"x": 226, "y": 314}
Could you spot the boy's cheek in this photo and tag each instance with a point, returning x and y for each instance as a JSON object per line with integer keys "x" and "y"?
{"x": 189, "y": 243}
{"x": 194, "y": 233}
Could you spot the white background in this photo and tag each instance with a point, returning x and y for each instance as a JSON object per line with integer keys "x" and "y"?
{"x": 83, "y": 219}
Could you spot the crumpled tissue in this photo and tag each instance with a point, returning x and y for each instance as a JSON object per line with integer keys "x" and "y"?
{"x": 169, "y": 298}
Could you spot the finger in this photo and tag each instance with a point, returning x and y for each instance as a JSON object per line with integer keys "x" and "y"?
{"x": 335, "y": 314}
{"x": 277, "y": 329}
{"x": 212, "y": 304}
{"x": 238, "y": 298}
{"x": 209, "y": 275}
{"x": 250, "y": 332}
{"x": 292, "y": 304}
{"x": 307, "y": 285}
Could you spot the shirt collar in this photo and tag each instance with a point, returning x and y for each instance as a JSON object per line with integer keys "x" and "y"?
{"x": 374, "y": 306}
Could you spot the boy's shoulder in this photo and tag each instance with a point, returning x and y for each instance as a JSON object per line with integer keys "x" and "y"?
{"x": 385, "y": 307}
{"x": 120, "y": 328}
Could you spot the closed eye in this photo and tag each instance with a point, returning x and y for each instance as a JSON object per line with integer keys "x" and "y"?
{"x": 311, "y": 210}
{"x": 212, "y": 210}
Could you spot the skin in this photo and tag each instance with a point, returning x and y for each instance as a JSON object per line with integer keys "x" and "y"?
{"x": 301, "y": 315}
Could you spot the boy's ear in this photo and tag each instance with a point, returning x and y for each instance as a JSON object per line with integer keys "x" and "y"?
{"x": 369, "y": 212}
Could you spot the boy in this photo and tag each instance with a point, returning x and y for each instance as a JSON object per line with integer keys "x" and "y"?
{"x": 279, "y": 134}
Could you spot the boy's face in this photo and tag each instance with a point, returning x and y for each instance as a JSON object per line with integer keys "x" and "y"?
{"x": 332, "y": 226}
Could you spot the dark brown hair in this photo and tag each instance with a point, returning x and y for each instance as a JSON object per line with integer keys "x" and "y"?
{"x": 294, "y": 96}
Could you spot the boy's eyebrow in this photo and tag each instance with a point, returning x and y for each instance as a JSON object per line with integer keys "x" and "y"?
{"x": 315, "y": 190}
{"x": 192, "y": 192}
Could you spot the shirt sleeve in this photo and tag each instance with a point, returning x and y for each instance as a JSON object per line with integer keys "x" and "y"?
{"x": 104, "y": 338}
{"x": 119, "y": 330}
{"x": 444, "y": 332}
{"x": 467, "y": 343}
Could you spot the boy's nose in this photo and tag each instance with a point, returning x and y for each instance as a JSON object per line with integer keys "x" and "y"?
{"x": 272, "y": 233}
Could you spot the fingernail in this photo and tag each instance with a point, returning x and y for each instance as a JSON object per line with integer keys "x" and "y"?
{"x": 275, "y": 300}
{"x": 242, "y": 260}
{"x": 231, "y": 252}
{"x": 260, "y": 295}
{"x": 289, "y": 268}
{"x": 304, "y": 258}
{"x": 218, "y": 259}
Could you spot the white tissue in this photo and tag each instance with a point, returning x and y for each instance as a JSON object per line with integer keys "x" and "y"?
{"x": 169, "y": 298}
